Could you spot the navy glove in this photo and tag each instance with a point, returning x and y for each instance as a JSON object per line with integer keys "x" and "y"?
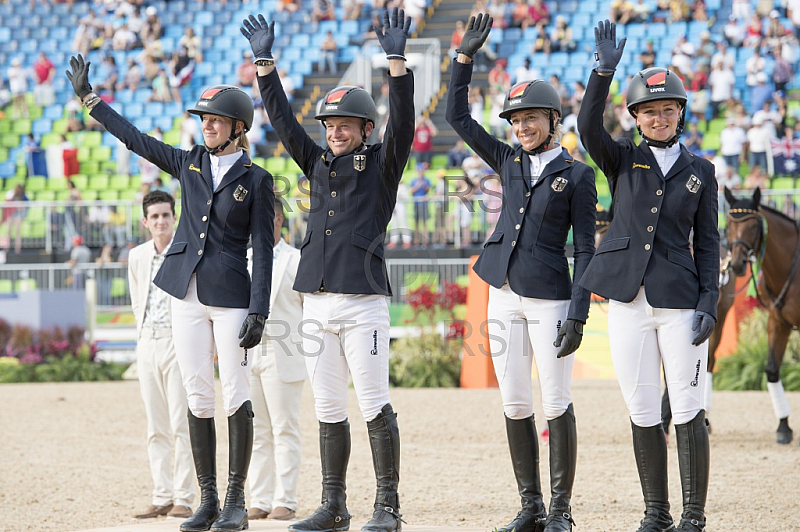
{"x": 260, "y": 35}
{"x": 702, "y": 325}
{"x": 251, "y": 331}
{"x": 477, "y": 32}
{"x": 608, "y": 52}
{"x": 393, "y": 34}
{"x": 570, "y": 334}
{"x": 79, "y": 77}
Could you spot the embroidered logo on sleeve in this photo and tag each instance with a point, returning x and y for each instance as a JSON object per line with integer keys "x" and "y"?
{"x": 637, "y": 165}
{"x": 693, "y": 184}
{"x": 360, "y": 162}
{"x": 193, "y": 167}
{"x": 559, "y": 184}
{"x": 239, "y": 193}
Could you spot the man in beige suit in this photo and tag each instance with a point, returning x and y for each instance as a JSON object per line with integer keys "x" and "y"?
{"x": 276, "y": 387}
{"x": 164, "y": 396}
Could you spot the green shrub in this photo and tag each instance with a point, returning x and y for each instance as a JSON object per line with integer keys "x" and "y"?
{"x": 744, "y": 369}
{"x": 426, "y": 361}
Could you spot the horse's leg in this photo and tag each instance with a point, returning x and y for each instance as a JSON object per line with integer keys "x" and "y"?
{"x": 778, "y": 335}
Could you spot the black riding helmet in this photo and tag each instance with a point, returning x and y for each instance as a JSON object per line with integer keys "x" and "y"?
{"x": 536, "y": 94}
{"x": 348, "y": 100}
{"x": 228, "y": 101}
{"x": 654, "y": 84}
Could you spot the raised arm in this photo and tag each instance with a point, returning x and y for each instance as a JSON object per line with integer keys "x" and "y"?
{"x": 298, "y": 143}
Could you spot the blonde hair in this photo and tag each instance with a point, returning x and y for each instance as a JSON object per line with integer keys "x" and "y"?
{"x": 241, "y": 141}
{"x": 558, "y": 131}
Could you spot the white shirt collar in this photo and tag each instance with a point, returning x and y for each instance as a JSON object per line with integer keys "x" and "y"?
{"x": 666, "y": 157}
{"x": 538, "y": 162}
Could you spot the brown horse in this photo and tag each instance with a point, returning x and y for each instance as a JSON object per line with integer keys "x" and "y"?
{"x": 727, "y": 294}
{"x": 760, "y": 234}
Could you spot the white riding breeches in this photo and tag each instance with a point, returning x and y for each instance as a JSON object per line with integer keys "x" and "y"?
{"x": 199, "y": 332}
{"x": 522, "y": 329}
{"x": 642, "y": 338}
{"x": 344, "y": 332}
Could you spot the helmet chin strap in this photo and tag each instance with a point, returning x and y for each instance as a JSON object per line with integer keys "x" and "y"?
{"x": 544, "y": 146}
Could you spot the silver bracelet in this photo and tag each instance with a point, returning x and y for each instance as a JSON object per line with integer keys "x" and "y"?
{"x": 90, "y": 100}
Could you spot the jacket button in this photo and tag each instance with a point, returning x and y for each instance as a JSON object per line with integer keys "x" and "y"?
{"x": 333, "y": 174}
{"x": 647, "y": 247}
{"x": 330, "y": 213}
{"x": 205, "y": 218}
{"x": 208, "y": 202}
{"x": 333, "y": 193}
{"x": 659, "y": 192}
{"x": 517, "y": 227}
{"x": 649, "y": 228}
{"x": 199, "y": 251}
{"x": 202, "y": 235}
{"x": 328, "y": 232}
{"x": 513, "y": 243}
{"x": 527, "y": 194}
{"x": 654, "y": 210}
{"x": 521, "y": 210}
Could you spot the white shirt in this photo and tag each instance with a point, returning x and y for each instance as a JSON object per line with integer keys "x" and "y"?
{"x": 731, "y": 140}
{"x": 156, "y": 311}
{"x": 538, "y": 162}
{"x": 758, "y": 137}
{"x": 721, "y": 83}
{"x": 220, "y": 166}
{"x": 666, "y": 157}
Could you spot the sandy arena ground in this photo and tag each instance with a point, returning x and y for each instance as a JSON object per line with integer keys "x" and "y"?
{"x": 73, "y": 457}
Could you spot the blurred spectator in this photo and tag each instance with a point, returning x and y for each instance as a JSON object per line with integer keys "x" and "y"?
{"x": 734, "y": 32}
{"x": 699, "y": 11}
{"x": 123, "y": 156}
{"x": 5, "y": 96}
{"x": 741, "y": 9}
{"x": 541, "y": 42}
{"x": 181, "y": 68}
{"x": 492, "y": 203}
{"x": 682, "y": 59}
{"x": 132, "y": 76}
{"x": 43, "y": 73}
{"x": 287, "y": 5}
{"x": 678, "y": 10}
{"x": 538, "y": 12}
{"x": 322, "y": 10}
{"x": 192, "y": 43}
{"x": 422, "y": 148}
{"x": 562, "y": 40}
{"x": 465, "y": 190}
{"x": 15, "y": 215}
{"x": 86, "y": 33}
{"x": 160, "y": 91}
{"x": 499, "y": 78}
{"x": 705, "y": 49}
{"x": 79, "y": 254}
{"x": 640, "y": 12}
{"x": 455, "y": 37}
{"x": 287, "y": 84}
{"x": 758, "y": 138}
{"x": 158, "y": 184}
{"x": 561, "y": 89}
{"x": 723, "y": 54}
{"x": 18, "y": 86}
{"x": 400, "y": 232}
{"x": 754, "y": 66}
{"x": 190, "y": 128}
{"x": 497, "y": 126}
{"x": 775, "y": 30}
{"x": 500, "y": 11}
{"x": 760, "y": 93}
{"x": 576, "y": 99}
{"x": 782, "y": 72}
{"x": 125, "y": 252}
{"x": 621, "y": 11}
{"x": 525, "y": 72}
{"x": 721, "y": 81}
{"x": 756, "y": 178}
{"x": 693, "y": 139}
{"x": 74, "y": 111}
{"x": 771, "y": 120}
{"x": 477, "y": 104}
{"x": 352, "y": 9}
{"x": 419, "y": 188}
{"x": 328, "y": 54}
{"x": 520, "y": 16}
{"x": 754, "y": 32}
{"x": 69, "y": 154}
{"x": 152, "y": 29}
{"x": 246, "y": 71}
{"x": 441, "y": 195}
{"x": 34, "y": 157}
{"x": 732, "y": 141}
{"x": 382, "y": 109}
{"x": 793, "y": 12}
{"x": 648, "y": 56}
{"x": 109, "y": 75}
{"x": 457, "y": 154}
{"x": 124, "y": 39}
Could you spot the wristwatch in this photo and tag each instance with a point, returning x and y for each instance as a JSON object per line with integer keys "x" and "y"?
{"x": 265, "y": 62}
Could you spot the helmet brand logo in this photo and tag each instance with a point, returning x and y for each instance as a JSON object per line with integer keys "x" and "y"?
{"x": 657, "y": 89}
{"x": 657, "y": 79}
{"x": 336, "y": 97}
{"x": 518, "y": 89}
{"x": 331, "y": 107}
{"x": 514, "y": 102}
{"x": 210, "y": 93}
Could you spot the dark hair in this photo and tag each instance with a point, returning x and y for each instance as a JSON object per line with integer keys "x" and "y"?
{"x": 157, "y": 196}
{"x": 279, "y": 207}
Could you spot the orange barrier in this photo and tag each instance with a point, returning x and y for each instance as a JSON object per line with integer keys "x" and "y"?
{"x": 477, "y": 370}
{"x": 730, "y": 331}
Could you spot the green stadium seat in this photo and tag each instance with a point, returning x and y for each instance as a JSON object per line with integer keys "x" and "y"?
{"x": 84, "y": 153}
{"x": 98, "y": 182}
{"x": 50, "y": 139}
{"x": 36, "y": 214}
{"x": 119, "y": 287}
{"x": 439, "y": 161}
{"x": 59, "y": 126}
{"x": 81, "y": 181}
{"x": 89, "y": 195}
{"x": 275, "y": 165}
{"x": 37, "y": 230}
{"x": 101, "y": 153}
{"x": 90, "y": 167}
{"x": 6, "y": 286}
{"x": 21, "y": 126}
{"x": 172, "y": 137}
{"x": 414, "y": 280}
{"x": 128, "y": 195}
{"x": 44, "y": 195}
{"x": 34, "y": 183}
{"x": 119, "y": 182}
{"x": 57, "y": 183}
{"x": 25, "y": 285}
{"x": 91, "y": 139}
{"x": 108, "y": 195}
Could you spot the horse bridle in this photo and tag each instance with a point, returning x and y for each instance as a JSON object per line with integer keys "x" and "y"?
{"x": 750, "y": 249}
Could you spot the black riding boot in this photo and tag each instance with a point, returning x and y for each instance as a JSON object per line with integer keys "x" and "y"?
{"x": 563, "y": 459}
{"x": 693, "y": 459}
{"x": 650, "y": 449}
{"x": 523, "y": 443}
{"x": 203, "y": 437}
{"x": 334, "y": 451}
{"x": 240, "y": 446}
{"x": 384, "y": 440}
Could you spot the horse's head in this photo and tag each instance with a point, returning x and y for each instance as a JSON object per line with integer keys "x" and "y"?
{"x": 745, "y": 230}
{"x": 601, "y": 225}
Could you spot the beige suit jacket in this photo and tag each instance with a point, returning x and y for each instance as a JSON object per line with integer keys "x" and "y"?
{"x": 140, "y": 260}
